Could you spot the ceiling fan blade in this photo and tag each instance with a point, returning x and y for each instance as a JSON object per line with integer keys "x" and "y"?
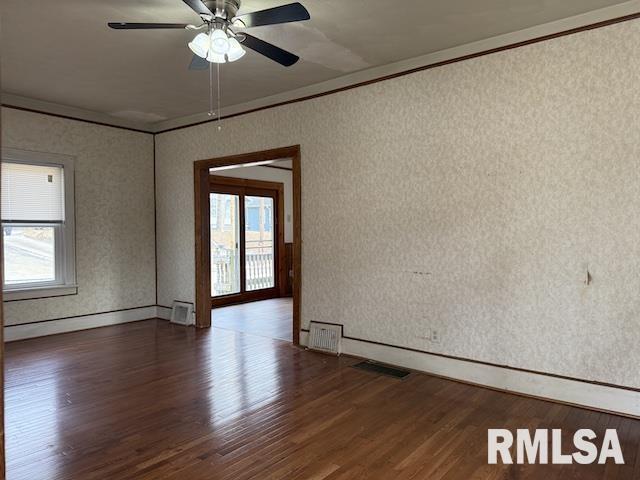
{"x": 198, "y": 63}
{"x": 199, "y": 7}
{"x": 144, "y": 26}
{"x": 294, "y": 12}
{"x": 276, "y": 54}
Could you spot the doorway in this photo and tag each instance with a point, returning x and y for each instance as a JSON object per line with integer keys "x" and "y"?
{"x": 247, "y": 262}
{"x": 247, "y": 240}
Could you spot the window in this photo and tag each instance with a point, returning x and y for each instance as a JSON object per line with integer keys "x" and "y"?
{"x": 255, "y": 207}
{"x": 37, "y": 224}
{"x": 227, "y": 214}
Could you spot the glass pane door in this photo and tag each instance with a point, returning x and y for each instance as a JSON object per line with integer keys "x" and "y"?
{"x": 259, "y": 242}
{"x": 225, "y": 243}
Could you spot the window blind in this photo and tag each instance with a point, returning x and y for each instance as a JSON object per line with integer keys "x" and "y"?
{"x": 32, "y": 193}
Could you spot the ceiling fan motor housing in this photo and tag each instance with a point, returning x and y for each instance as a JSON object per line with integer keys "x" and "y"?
{"x": 226, "y": 9}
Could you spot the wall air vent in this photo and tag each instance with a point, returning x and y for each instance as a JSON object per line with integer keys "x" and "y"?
{"x": 182, "y": 313}
{"x": 325, "y": 337}
{"x": 375, "y": 367}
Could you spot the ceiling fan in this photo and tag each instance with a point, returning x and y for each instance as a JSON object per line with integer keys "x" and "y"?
{"x": 221, "y": 42}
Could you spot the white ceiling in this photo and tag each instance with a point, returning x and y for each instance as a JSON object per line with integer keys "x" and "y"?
{"x": 62, "y": 51}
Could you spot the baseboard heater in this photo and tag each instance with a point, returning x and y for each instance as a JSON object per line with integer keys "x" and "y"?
{"x": 325, "y": 337}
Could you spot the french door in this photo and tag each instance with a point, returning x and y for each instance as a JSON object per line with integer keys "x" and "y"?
{"x": 247, "y": 240}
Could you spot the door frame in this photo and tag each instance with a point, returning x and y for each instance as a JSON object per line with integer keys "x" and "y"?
{"x": 248, "y": 187}
{"x": 201, "y": 186}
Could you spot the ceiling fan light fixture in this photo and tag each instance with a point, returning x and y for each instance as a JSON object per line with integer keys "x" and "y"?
{"x": 219, "y": 42}
{"x": 200, "y": 45}
{"x": 214, "y": 57}
{"x": 236, "y": 52}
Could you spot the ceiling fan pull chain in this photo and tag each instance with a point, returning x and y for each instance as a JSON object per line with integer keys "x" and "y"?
{"x": 211, "y": 90}
{"x": 211, "y": 112}
{"x": 219, "y": 112}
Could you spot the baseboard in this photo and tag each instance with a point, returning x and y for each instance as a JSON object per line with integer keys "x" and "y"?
{"x": 573, "y": 392}
{"x": 40, "y": 329}
{"x": 164, "y": 312}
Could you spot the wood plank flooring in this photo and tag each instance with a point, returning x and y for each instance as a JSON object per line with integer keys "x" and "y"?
{"x": 150, "y": 400}
{"x": 268, "y": 318}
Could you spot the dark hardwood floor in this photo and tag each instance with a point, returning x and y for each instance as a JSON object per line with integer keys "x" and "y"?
{"x": 150, "y": 400}
{"x": 268, "y": 318}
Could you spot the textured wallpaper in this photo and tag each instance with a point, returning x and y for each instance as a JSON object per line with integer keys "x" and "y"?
{"x": 471, "y": 199}
{"x": 115, "y": 251}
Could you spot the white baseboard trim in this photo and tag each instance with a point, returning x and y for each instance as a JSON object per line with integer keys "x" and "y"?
{"x": 40, "y": 329}
{"x": 164, "y": 312}
{"x": 575, "y": 392}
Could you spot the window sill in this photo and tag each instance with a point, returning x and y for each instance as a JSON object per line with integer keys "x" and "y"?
{"x": 39, "y": 292}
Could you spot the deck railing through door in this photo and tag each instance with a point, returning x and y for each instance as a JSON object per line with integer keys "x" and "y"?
{"x": 259, "y": 270}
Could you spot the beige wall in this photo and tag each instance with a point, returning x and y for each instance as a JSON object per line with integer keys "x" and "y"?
{"x": 115, "y": 246}
{"x": 470, "y": 199}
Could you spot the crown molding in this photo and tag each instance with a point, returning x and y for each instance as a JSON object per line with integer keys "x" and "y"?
{"x": 63, "y": 111}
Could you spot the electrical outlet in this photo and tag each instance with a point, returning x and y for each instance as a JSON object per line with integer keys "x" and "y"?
{"x": 427, "y": 334}
{"x": 431, "y": 335}
{"x": 435, "y": 336}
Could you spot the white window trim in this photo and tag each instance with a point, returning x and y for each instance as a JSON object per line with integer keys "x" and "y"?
{"x": 67, "y": 248}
